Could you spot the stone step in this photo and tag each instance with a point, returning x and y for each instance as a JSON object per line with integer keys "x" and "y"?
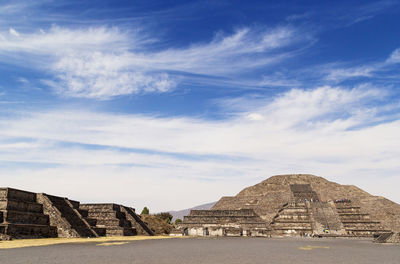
{"x": 120, "y": 232}
{"x": 100, "y": 207}
{"x": 141, "y": 227}
{"x": 299, "y": 228}
{"x": 10, "y": 193}
{"x": 84, "y": 213}
{"x": 18, "y": 217}
{"x": 350, "y": 213}
{"x": 288, "y": 221}
{"x": 91, "y": 221}
{"x": 348, "y": 208}
{"x": 291, "y": 226}
{"x": 28, "y": 230}
{"x": 71, "y": 215}
{"x": 106, "y": 214}
{"x": 292, "y": 215}
{"x": 22, "y": 206}
{"x": 366, "y": 229}
{"x": 101, "y": 231}
{"x": 359, "y": 222}
{"x": 113, "y": 222}
{"x": 354, "y": 219}
{"x": 213, "y": 219}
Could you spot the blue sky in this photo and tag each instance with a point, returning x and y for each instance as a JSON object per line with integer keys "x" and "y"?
{"x": 171, "y": 104}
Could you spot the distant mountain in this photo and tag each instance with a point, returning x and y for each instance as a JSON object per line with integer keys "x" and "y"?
{"x": 180, "y": 214}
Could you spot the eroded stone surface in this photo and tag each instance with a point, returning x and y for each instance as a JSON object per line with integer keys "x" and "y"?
{"x": 29, "y": 215}
{"x": 302, "y": 204}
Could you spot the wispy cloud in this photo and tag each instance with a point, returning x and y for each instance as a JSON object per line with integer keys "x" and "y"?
{"x": 368, "y": 11}
{"x": 394, "y": 57}
{"x": 325, "y": 131}
{"x": 104, "y": 62}
{"x": 342, "y": 71}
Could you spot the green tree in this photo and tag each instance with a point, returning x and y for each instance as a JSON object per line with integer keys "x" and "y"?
{"x": 145, "y": 211}
{"x": 167, "y": 217}
{"x": 178, "y": 221}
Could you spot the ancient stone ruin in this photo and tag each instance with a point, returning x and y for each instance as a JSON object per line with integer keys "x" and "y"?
{"x": 296, "y": 205}
{"x": 243, "y": 222}
{"x": 390, "y": 237}
{"x": 34, "y": 215}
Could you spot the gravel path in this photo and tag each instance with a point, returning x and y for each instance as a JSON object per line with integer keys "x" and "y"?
{"x": 209, "y": 250}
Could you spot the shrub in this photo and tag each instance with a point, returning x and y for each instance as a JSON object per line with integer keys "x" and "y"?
{"x": 167, "y": 217}
{"x": 145, "y": 211}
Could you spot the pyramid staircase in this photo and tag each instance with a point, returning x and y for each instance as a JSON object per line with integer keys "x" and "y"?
{"x": 292, "y": 219}
{"x": 357, "y": 223}
{"x": 136, "y": 221}
{"x": 325, "y": 217}
{"x": 390, "y": 237}
{"x": 69, "y": 219}
{"x": 21, "y": 216}
{"x": 110, "y": 217}
{"x": 306, "y": 214}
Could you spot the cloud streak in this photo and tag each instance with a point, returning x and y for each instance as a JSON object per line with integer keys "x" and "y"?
{"x": 101, "y": 62}
{"x": 325, "y": 131}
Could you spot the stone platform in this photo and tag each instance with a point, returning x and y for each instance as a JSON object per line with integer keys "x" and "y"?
{"x": 117, "y": 220}
{"x": 243, "y": 222}
{"x": 304, "y": 205}
{"x": 34, "y": 215}
{"x": 21, "y": 216}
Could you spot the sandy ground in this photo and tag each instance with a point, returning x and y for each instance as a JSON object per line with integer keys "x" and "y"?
{"x": 207, "y": 250}
{"x": 20, "y": 243}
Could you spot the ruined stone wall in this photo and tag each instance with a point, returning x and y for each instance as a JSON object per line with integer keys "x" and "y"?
{"x": 22, "y": 217}
{"x": 28, "y": 215}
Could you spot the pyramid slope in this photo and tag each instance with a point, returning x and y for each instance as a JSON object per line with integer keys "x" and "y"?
{"x": 268, "y": 196}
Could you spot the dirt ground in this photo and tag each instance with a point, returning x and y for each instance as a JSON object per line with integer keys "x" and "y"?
{"x": 207, "y": 250}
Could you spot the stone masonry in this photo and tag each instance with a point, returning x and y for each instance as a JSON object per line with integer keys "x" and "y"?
{"x": 244, "y": 222}
{"x": 302, "y": 204}
{"x": 109, "y": 217}
{"x": 21, "y": 216}
{"x": 30, "y": 215}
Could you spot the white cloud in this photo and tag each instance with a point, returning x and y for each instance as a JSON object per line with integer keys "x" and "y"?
{"x": 338, "y": 72}
{"x": 394, "y": 57}
{"x": 13, "y": 32}
{"x": 330, "y": 131}
{"x": 102, "y": 62}
{"x": 341, "y": 74}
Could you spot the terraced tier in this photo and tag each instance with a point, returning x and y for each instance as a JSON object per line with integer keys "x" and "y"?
{"x": 110, "y": 218}
{"x": 22, "y": 217}
{"x": 136, "y": 221}
{"x": 356, "y": 222}
{"x": 292, "y": 219}
{"x": 65, "y": 215}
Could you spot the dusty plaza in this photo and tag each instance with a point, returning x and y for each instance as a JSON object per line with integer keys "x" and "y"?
{"x": 209, "y": 250}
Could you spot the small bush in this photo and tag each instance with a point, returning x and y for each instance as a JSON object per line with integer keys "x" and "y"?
{"x": 167, "y": 217}
{"x": 145, "y": 211}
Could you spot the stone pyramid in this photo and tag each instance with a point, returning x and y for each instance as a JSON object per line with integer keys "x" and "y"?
{"x": 281, "y": 201}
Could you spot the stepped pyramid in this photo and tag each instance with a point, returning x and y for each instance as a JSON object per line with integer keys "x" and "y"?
{"x": 34, "y": 215}
{"x": 303, "y": 204}
{"x": 115, "y": 219}
{"x": 21, "y": 216}
{"x": 363, "y": 211}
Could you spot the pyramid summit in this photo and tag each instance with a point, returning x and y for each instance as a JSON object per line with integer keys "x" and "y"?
{"x": 297, "y": 204}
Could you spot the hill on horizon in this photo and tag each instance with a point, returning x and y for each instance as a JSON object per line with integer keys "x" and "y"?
{"x": 181, "y": 213}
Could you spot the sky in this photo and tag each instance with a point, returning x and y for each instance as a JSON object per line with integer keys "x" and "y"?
{"x": 172, "y": 104}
